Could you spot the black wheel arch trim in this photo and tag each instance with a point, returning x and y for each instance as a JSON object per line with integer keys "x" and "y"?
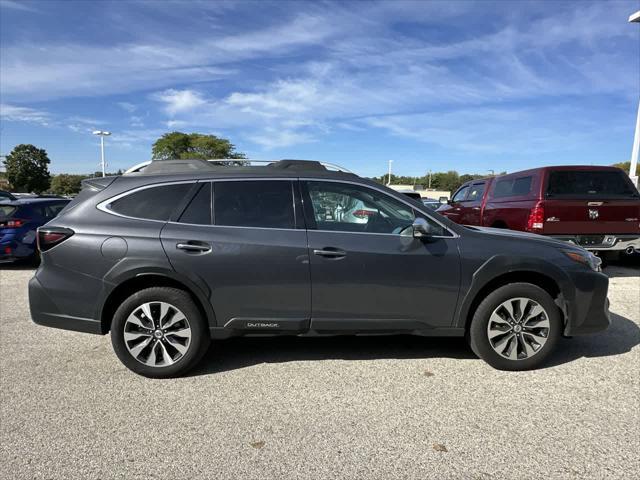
{"x": 123, "y": 273}
{"x": 502, "y": 265}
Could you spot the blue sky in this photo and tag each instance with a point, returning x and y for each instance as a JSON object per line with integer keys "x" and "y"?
{"x": 434, "y": 85}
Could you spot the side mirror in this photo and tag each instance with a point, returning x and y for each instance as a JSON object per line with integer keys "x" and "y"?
{"x": 421, "y": 228}
{"x": 444, "y": 200}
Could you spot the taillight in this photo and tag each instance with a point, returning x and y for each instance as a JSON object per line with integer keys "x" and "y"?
{"x": 535, "y": 222}
{"x": 51, "y": 236}
{"x": 12, "y": 223}
{"x": 363, "y": 213}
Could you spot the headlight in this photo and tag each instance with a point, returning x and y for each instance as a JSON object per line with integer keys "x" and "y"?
{"x": 584, "y": 257}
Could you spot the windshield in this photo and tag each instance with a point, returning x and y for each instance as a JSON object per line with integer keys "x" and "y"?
{"x": 589, "y": 183}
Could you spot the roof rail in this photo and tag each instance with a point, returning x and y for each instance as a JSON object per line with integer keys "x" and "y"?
{"x": 193, "y": 165}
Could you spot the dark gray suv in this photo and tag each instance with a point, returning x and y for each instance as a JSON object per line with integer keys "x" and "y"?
{"x": 189, "y": 251}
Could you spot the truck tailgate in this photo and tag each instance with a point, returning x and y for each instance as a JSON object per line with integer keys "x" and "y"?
{"x": 619, "y": 216}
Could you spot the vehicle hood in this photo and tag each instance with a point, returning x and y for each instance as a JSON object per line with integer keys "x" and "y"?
{"x": 519, "y": 236}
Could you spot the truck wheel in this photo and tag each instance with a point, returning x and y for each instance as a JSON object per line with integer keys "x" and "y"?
{"x": 516, "y": 327}
{"x": 159, "y": 332}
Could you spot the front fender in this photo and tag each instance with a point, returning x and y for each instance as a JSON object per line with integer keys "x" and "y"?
{"x": 505, "y": 265}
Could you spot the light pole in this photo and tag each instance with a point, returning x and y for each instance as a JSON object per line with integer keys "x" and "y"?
{"x": 389, "y": 178}
{"x": 636, "y": 138}
{"x": 102, "y": 134}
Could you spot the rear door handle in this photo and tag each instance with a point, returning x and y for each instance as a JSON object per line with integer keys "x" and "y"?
{"x": 192, "y": 247}
{"x": 330, "y": 253}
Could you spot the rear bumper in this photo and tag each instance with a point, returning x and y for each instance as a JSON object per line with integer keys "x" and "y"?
{"x": 11, "y": 248}
{"x": 589, "y": 310}
{"x": 610, "y": 242}
{"x": 44, "y": 312}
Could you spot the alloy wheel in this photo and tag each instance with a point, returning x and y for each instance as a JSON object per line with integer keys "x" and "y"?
{"x": 157, "y": 334}
{"x": 518, "y": 328}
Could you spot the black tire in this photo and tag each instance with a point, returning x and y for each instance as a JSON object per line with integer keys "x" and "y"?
{"x": 197, "y": 347}
{"x": 479, "y": 337}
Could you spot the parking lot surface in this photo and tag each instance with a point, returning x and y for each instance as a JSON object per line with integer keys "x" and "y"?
{"x": 342, "y": 407}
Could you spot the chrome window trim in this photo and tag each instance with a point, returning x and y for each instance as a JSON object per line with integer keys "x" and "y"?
{"x": 105, "y": 204}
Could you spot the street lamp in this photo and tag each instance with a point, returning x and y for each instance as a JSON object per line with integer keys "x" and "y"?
{"x": 389, "y": 179}
{"x": 635, "y": 18}
{"x": 102, "y": 134}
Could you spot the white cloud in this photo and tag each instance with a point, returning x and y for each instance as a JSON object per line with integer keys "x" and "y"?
{"x": 24, "y": 114}
{"x": 176, "y": 123}
{"x": 179, "y": 101}
{"x": 128, "y": 107}
{"x": 14, "y": 5}
{"x": 276, "y": 138}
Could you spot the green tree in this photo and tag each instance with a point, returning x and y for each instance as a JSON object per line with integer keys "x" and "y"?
{"x": 626, "y": 166}
{"x": 178, "y": 145}
{"x": 28, "y": 169}
{"x": 67, "y": 184}
{"x": 446, "y": 180}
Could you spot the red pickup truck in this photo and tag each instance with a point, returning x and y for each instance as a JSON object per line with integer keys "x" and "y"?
{"x": 595, "y": 207}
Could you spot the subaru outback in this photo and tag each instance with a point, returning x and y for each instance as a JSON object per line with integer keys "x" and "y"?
{"x": 188, "y": 251}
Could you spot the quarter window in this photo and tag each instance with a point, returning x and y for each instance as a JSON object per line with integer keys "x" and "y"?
{"x": 155, "y": 203}
{"x": 352, "y": 208}
{"x": 255, "y": 203}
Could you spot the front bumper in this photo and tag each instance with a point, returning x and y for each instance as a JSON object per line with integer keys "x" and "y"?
{"x": 45, "y": 312}
{"x": 604, "y": 242}
{"x": 588, "y": 312}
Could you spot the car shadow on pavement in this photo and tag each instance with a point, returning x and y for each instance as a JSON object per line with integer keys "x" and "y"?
{"x": 241, "y": 352}
{"x": 621, "y": 336}
{"x": 18, "y": 266}
{"x": 614, "y": 271}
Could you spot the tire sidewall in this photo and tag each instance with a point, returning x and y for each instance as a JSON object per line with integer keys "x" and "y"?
{"x": 478, "y": 330}
{"x": 180, "y": 299}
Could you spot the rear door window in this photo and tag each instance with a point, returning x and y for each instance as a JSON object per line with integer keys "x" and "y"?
{"x": 153, "y": 203}
{"x": 585, "y": 184}
{"x": 198, "y": 212}
{"x": 254, "y": 203}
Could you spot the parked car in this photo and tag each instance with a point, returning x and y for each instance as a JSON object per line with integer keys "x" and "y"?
{"x": 19, "y": 220}
{"x": 431, "y": 203}
{"x": 595, "y": 207}
{"x": 185, "y": 252}
{"x": 6, "y": 196}
{"x": 411, "y": 194}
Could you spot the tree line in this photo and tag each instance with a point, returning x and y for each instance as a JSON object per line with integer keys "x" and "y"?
{"x": 446, "y": 181}
{"x": 27, "y": 166}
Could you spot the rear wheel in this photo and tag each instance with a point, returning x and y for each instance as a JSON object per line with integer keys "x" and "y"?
{"x": 516, "y": 327}
{"x": 159, "y": 332}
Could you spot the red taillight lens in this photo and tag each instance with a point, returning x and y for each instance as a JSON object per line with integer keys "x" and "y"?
{"x": 12, "y": 223}
{"x": 363, "y": 213}
{"x": 50, "y": 237}
{"x": 535, "y": 222}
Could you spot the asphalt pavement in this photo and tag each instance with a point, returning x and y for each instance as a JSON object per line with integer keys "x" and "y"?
{"x": 319, "y": 408}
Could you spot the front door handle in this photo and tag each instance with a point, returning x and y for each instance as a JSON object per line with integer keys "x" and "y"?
{"x": 192, "y": 247}
{"x": 330, "y": 253}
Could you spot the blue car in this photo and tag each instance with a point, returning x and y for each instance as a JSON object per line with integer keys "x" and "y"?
{"x": 19, "y": 220}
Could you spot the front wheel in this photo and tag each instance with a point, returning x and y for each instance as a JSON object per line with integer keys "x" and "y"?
{"x": 159, "y": 332}
{"x": 516, "y": 327}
